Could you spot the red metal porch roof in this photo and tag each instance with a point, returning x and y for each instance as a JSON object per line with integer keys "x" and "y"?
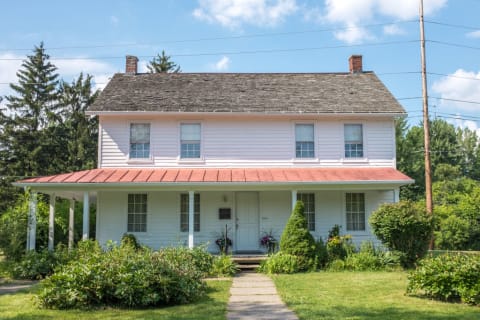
{"x": 222, "y": 175}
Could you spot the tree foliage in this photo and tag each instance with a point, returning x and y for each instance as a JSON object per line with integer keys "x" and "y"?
{"x": 405, "y": 227}
{"x": 43, "y": 129}
{"x": 163, "y": 64}
{"x": 296, "y": 240}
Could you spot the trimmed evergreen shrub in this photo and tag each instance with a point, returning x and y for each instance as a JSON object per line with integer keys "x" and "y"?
{"x": 297, "y": 240}
{"x": 404, "y": 226}
{"x": 280, "y": 262}
{"x": 449, "y": 277}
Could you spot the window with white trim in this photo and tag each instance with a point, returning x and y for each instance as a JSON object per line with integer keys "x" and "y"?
{"x": 353, "y": 134}
{"x": 308, "y": 200}
{"x": 139, "y": 141}
{"x": 137, "y": 213}
{"x": 184, "y": 223}
{"x": 190, "y": 140}
{"x": 304, "y": 141}
{"x": 355, "y": 210}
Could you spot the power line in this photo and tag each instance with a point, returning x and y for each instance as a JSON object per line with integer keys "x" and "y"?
{"x": 452, "y": 25}
{"x": 451, "y": 44}
{"x": 255, "y": 35}
{"x": 235, "y": 52}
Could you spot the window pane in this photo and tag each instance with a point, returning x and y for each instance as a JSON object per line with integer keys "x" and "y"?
{"x": 353, "y": 133}
{"x": 137, "y": 213}
{"x": 304, "y": 132}
{"x": 190, "y": 131}
{"x": 355, "y": 211}
{"x": 308, "y": 200}
{"x": 190, "y": 150}
{"x": 140, "y": 133}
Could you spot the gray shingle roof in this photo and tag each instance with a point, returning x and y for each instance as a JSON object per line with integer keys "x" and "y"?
{"x": 248, "y": 92}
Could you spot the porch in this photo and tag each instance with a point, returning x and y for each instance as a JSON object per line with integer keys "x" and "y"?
{"x": 164, "y": 207}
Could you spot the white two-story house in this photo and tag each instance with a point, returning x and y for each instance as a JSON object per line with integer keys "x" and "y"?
{"x": 181, "y": 156}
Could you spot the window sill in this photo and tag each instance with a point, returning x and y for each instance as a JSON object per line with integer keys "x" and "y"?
{"x": 355, "y": 160}
{"x": 190, "y": 160}
{"x": 305, "y": 160}
{"x": 140, "y": 161}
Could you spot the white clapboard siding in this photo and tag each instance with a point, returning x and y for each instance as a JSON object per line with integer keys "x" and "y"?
{"x": 246, "y": 142}
{"x": 163, "y": 218}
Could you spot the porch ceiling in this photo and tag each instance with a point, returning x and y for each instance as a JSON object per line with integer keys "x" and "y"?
{"x": 194, "y": 177}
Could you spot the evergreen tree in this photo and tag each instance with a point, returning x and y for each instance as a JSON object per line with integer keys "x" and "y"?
{"x": 163, "y": 64}
{"x": 80, "y": 134}
{"x": 297, "y": 240}
{"x": 29, "y": 112}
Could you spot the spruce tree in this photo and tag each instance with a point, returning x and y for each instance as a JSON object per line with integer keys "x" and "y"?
{"x": 163, "y": 64}
{"x": 297, "y": 240}
{"x": 28, "y": 113}
{"x": 78, "y": 132}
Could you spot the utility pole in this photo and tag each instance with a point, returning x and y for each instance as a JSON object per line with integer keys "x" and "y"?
{"x": 426, "y": 130}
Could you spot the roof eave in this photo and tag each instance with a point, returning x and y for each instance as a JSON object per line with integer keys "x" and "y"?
{"x": 220, "y": 113}
{"x": 207, "y": 184}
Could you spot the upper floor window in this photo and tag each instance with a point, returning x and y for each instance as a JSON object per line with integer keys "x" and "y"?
{"x": 137, "y": 213}
{"x": 304, "y": 141}
{"x": 139, "y": 140}
{"x": 355, "y": 209}
{"x": 308, "y": 200}
{"x": 190, "y": 140}
{"x": 184, "y": 202}
{"x": 353, "y": 140}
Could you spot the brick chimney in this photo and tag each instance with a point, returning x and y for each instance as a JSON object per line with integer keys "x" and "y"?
{"x": 131, "y": 65}
{"x": 355, "y": 63}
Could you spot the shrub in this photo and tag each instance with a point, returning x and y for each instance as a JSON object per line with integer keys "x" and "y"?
{"x": 455, "y": 233}
{"x": 368, "y": 258}
{"x": 405, "y": 227}
{"x": 280, "y": 262}
{"x": 296, "y": 239}
{"x": 36, "y": 265}
{"x": 448, "y": 277}
{"x": 129, "y": 239}
{"x": 123, "y": 276}
{"x": 223, "y": 265}
{"x": 321, "y": 254}
{"x": 338, "y": 247}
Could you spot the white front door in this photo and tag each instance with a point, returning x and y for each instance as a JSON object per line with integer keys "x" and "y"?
{"x": 247, "y": 221}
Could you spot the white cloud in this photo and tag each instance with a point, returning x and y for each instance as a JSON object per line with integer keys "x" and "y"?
{"x": 352, "y": 13}
{"x": 222, "y": 64}
{"x": 353, "y": 34}
{"x": 459, "y": 86}
{"x": 471, "y": 125}
{"x": 234, "y": 13}
{"x": 393, "y": 30}
{"x": 474, "y": 34}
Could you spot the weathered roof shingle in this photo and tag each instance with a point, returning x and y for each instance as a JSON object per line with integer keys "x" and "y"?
{"x": 311, "y": 93}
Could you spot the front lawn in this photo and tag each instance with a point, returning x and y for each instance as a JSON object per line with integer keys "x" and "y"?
{"x": 20, "y": 306}
{"x": 362, "y": 295}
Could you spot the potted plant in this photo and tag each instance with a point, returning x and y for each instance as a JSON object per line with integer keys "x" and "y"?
{"x": 268, "y": 241}
{"x": 223, "y": 242}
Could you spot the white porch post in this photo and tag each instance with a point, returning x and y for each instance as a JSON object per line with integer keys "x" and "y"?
{"x": 71, "y": 223}
{"x": 294, "y": 198}
{"x": 51, "y": 223}
{"x": 32, "y": 222}
{"x": 191, "y": 209}
{"x": 86, "y": 215}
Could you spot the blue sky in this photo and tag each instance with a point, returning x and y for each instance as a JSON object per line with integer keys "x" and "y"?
{"x": 260, "y": 36}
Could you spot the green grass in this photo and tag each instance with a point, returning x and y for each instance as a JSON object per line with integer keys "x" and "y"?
{"x": 362, "y": 295}
{"x": 21, "y": 306}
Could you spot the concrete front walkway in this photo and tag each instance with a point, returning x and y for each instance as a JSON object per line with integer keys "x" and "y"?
{"x": 254, "y": 296}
